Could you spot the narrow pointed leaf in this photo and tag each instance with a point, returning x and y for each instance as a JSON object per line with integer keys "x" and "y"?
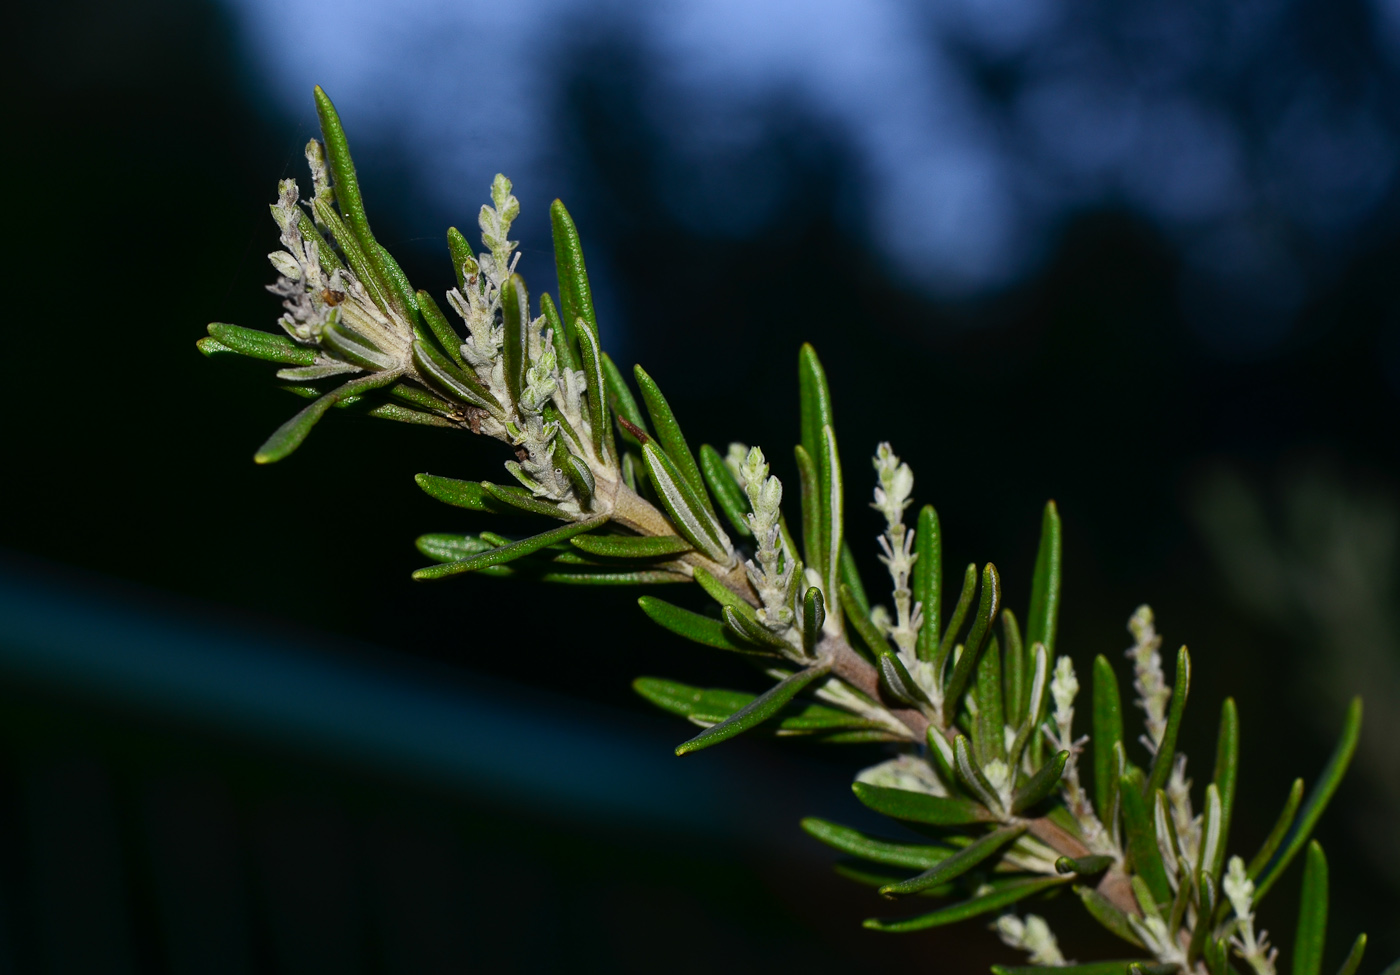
{"x": 460, "y": 251}
{"x": 1162, "y": 762}
{"x": 591, "y": 353}
{"x": 262, "y": 345}
{"x": 993, "y": 901}
{"x": 447, "y": 338}
{"x": 1141, "y": 839}
{"x": 928, "y": 579}
{"x": 1316, "y": 802}
{"x": 987, "y": 608}
{"x": 919, "y": 807}
{"x": 460, "y": 384}
{"x": 1085, "y": 866}
{"x": 451, "y": 548}
{"x": 747, "y": 626}
{"x": 1107, "y": 732}
{"x": 693, "y": 626}
{"x": 620, "y": 396}
{"x": 289, "y": 436}
{"x": 565, "y": 342}
{"x": 814, "y": 397}
{"x": 515, "y": 345}
{"x": 524, "y": 501}
{"x": 756, "y": 712}
{"x": 1013, "y": 671}
{"x": 832, "y": 509}
{"x": 690, "y": 517}
{"x": 511, "y": 552}
{"x": 631, "y": 546}
{"x": 1035, "y": 705}
{"x": 870, "y": 634}
{"x": 958, "y": 864}
{"x": 989, "y": 725}
{"x": 575, "y": 295}
{"x": 955, "y": 622}
{"x": 972, "y": 776}
{"x": 1311, "y": 935}
{"x": 1227, "y": 760}
{"x": 1044, "y": 613}
{"x": 1101, "y": 909}
{"x": 584, "y": 577}
{"x": 668, "y": 432}
{"x": 1040, "y": 785}
{"x": 402, "y": 414}
{"x": 811, "y": 513}
{"x": 813, "y": 617}
{"x": 850, "y": 577}
{"x": 462, "y": 494}
{"x": 1353, "y": 959}
{"x": 941, "y": 757}
{"x": 897, "y": 682}
{"x": 1276, "y": 835}
{"x": 721, "y": 593}
{"x": 727, "y": 493}
{"x": 351, "y": 347}
{"x": 342, "y": 170}
{"x": 889, "y": 852}
{"x": 710, "y": 706}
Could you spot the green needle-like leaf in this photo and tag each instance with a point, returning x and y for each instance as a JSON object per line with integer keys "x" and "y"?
{"x": 1044, "y": 613}
{"x": 289, "y": 436}
{"x": 814, "y": 401}
{"x": 992, "y": 901}
{"x": 955, "y": 622}
{"x": 989, "y": 725}
{"x": 807, "y": 476}
{"x": 928, "y": 579}
{"x": 747, "y": 626}
{"x": 726, "y": 490}
{"x": 1353, "y": 959}
{"x": 690, "y": 516}
{"x": 712, "y": 706}
{"x": 1276, "y": 835}
{"x": 515, "y": 344}
{"x": 591, "y": 353}
{"x": 919, "y": 807}
{"x": 631, "y": 546}
{"x": 1162, "y": 762}
{"x": 1316, "y": 802}
{"x": 958, "y": 864}
{"x": 813, "y": 617}
{"x": 262, "y": 345}
{"x": 1085, "y": 866}
{"x": 668, "y": 432}
{"x": 1141, "y": 842}
{"x": 460, "y": 384}
{"x": 1013, "y": 670}
{"x": 620, "y": 397}
{"x": 511, "y": 552}
{"x": 575, "y": 295}
{"x": 460, "y": 251}
{"x": 565, "y": 341}
{"x": 832, "y": 510}
{"x": 524, "y": 501}
{"x": 869, "y": 633}
{"x": 451, "y": 548}
{"x": 1107, "y": 732}
{"x": 442, "y": 329}
{"x": 757, "y": 711}
{"x": 1040, "y": 785}
{"x": 692, "y": 626}
{"x": 850, "y": 577}
{"x": 1101, "y": 909}
{"x": 1227, "y": 772}
{"x": 888, "y": 852}
{"x": 972, "y": 776}
{"x": 987, "y": 609}
{"x": 348, "y": 346}
{"x": 461, "y": 494}
{"x": 1312, "y": 914}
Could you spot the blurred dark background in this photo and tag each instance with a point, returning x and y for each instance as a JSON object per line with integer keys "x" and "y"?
{"x": 1138, "y": 258}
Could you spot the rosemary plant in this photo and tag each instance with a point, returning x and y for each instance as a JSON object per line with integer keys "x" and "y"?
{"x": 979, "y": 710}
